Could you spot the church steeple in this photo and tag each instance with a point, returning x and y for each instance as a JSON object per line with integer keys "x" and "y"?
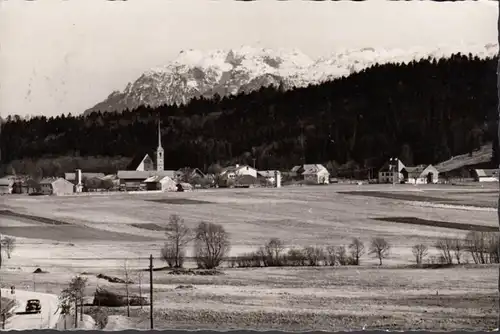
{"x": 159, "y": 152}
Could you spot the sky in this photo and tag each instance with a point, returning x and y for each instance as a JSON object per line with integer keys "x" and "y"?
{"x": 64, "y": 56}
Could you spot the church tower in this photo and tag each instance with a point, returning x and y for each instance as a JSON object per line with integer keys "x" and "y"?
{"x": 160, "y": 164}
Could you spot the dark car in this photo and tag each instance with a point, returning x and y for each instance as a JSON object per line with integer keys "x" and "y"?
{"x": 33, "y": 306}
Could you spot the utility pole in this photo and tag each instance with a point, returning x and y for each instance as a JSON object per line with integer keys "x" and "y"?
{"x": 394, "y": 170}
{"x": 253, "y": 163}
{"x": 126, "y": 286}
{"x": 151, "y": 290}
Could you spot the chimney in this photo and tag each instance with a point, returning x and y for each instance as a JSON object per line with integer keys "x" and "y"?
{"x": 277, "y": 178}
{"x": 78, "y": 180}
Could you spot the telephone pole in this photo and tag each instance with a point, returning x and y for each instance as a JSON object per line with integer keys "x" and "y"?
{"x": 151, "y": 290}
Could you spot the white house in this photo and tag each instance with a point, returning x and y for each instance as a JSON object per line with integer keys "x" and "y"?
{"x": 6, "y": 185}
{"x": 56, "y": 186}
{"x": 420, "y": 174}
{"x": 485, "y": 175}
{"x": 229, "y": 175}
{"x": 163, "y": 183}
{"x": 316, "y": 174}
{"x": 386, "y": 174}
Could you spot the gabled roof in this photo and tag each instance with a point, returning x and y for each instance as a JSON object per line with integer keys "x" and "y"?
{"x": 314, "y": 169}
{"x": 136, "y": 161}
{"x": 136, "y": 175}
{"x": 109, "y": 177}
{"x": 486, "y": 172}
{"x": 416, "y": 171}
{"x": 156, "y": 178}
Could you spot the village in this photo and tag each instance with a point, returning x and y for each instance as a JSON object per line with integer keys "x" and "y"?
{"x": 148, "y": 174}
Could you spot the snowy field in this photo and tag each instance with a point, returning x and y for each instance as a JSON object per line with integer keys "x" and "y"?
{"x": 98, "y": 235}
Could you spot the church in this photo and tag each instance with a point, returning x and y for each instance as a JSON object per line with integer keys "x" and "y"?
{"x": 143, "y": 167}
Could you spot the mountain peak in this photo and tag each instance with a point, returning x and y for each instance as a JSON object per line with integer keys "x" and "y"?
{"x": 195, "y": 73}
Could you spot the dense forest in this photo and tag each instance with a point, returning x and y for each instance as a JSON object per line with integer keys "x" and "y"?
{"x": 423, "y": 112}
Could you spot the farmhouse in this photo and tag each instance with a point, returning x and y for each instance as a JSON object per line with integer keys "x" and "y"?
{"x": 56, "y": 186}
{"x": 132, "y": 180}
{"x": 386, "y": 174}
{"x": 485, "y": 175}
{"x": 316, "y": 174}
{"x": 233, "y": 174}
{"x": 163, "y": 183}
{"x": 311, "y": 173}
{"x": 6, "y": 185}
{"x": 420, "y": 174}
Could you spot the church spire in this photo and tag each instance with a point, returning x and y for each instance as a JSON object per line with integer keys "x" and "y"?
{"x": 159, "y": 152}
{"x": 159, "y": 134}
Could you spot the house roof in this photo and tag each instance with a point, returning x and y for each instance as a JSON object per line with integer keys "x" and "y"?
{"x": 295, "y": 169}
{"x": 416, "y": 171}
{"x": 137, "y": 159}
{"x": 109, "y": 177}
{"x": 486, "y": 172}
{"x": 157, "y": 178}
{"x": 314, "y": 169}
{"x": 135, "y": 175}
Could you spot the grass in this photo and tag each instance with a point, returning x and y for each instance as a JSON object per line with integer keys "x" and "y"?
{"x": 394, "y": 296}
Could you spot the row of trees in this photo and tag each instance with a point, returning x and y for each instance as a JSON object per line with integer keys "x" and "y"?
{"x": 211, "y": 247}
{"x": 424, "y": 112}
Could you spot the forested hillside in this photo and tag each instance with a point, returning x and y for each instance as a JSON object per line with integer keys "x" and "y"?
{"x": 424, "y": 111}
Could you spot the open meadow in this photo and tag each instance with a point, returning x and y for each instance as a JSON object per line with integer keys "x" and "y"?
{"x": 70, "y": 235}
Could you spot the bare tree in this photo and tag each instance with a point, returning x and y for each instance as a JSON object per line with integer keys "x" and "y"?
{"x": 331, "y": 255}
{"x": 314, "y": 255}
{"x": 178, "y": 236}
{"x": 341, "y": 255}
{"x": 357, "y": 249}
{"x": 380, "y": 248}
{"x": 8, "y": 244}
{"x": 457, "y": 247}
{"x": 273, "y": 250}
{"x": 211, "y": 245}
{"x": 74, "y": 293}
{"x": 420, "y": 251}
{"x": 444, "y": 246}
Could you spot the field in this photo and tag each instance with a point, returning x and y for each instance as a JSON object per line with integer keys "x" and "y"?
{"x": 69, "y": 235}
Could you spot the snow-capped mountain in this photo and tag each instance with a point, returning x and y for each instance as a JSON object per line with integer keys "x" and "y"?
{"x": 195, "y": 73}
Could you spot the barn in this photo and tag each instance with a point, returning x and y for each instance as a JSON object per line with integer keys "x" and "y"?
{"x": 56, "y": 186}
{"x": 163, "y": 183}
